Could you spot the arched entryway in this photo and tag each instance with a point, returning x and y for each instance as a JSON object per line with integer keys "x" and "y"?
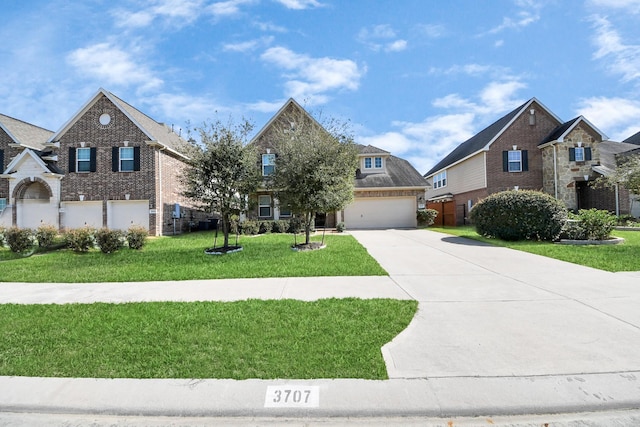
{"x": 34, "y": 205}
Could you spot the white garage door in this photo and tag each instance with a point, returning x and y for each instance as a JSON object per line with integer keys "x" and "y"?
{"x": 81, "y": 214}
{"x": 383, "y": 212}
{"x": 122, "y": 214}
{"x": 32, "y": 213}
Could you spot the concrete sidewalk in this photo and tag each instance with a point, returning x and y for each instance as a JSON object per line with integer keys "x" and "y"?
{"x": 497, "y": 332}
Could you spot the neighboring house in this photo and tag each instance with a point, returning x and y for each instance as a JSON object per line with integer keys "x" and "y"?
{"x": 109, "y": 166}
{"x": 387, "y": 189}
{"x": 529, "y": 148}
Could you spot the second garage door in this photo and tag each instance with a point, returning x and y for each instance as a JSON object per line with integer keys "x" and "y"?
{"x": 378, "y": 212}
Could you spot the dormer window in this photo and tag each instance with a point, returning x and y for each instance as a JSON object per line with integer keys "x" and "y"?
{"x": 373, "y": 162}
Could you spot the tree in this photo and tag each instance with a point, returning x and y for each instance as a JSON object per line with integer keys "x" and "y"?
{"x": 626, "y": 174}
{"x": 222, "y": 171}
{"x": 315, "y": 166}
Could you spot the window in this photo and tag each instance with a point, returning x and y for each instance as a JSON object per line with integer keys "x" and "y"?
{"x": 580, "y": 154}
{"x": 371, "y": 162}
{"x": 3, "y": 204}
{"x": 83, "y": 160}
{"x": 285, "y": 211}
{"x": 264, "y": 206}
{"x": 515, "y": 161}
{"x": 126, "y": 159}
{"x": 268, "y": 164}
{"x": 440, "y": 180}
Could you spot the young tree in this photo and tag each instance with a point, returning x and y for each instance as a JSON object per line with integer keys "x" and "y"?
{"x": 626, "y": 174}
{"x": 223, "y": 171}
{"x": 315, "y": 166}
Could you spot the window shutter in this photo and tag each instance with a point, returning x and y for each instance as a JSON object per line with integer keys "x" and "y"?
{"x": 572, "y": 154}
{"x": 92, "y": 159}
{"x": 1, "y": 161}
{"x": 72, "y": 159}
{"x": 136, "y": 158}
{"x": 505, "y": 161}
{"x": 115, "y": 159}
{"x": 525, "y": 160}
{"x": 587, "y": 153}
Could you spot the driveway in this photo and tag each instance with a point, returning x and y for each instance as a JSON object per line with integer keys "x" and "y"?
{"x": 487, "y": 311}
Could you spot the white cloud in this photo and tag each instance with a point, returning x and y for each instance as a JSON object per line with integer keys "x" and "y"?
{"x": 299, "y": 4}
{"x": 528, "y": 13}
{"x": 621, "y": 58}
{"x": 174, "y": 11}
{"x": 112, "y": 65}
{"x": 265, "y": 106}
{"x": 227, "y": 7}
{"x": 248, "y": 45}
{"x": 381, "y": 37}
{"x": 616, "y": 115}
{"x": 632, "y": 6}
{"x": 310, "y": 78}
{"x": 183, "y": 108}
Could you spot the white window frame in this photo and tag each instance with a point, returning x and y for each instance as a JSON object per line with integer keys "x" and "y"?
{"x": 86, "y": 163}
{"x": 511, "y": 160}
{"x": 122, "y": 159}
{"x": 373, "y": 163}
{"x": 440, "y": 180}
{"x": 264, "y": 201}
{"x": 377, "y": 162}
{"x": 579, "y": 154}
{"x": 368, "y": 163}
{"x": 268, "y": 161}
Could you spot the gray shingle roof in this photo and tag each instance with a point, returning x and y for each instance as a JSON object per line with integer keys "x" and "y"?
{"x": 558, "y": 131}
{"x": 477, "y": 142}
{"x": 24, "y": 133}
{"x": 633, "y": 139}
{"x": 399, "y": 172}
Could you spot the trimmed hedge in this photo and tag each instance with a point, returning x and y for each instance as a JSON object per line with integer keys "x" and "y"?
{"x": 137, "y": 236}
{"x": 46, "y": 235}
{"x": 519, "y": 215}
{"x": 426, "y": 216}
{"x": 20, "y": 240}
{"x": 589, "y": 224}
{"x": 109, "y": 241}
{"x": 80, "y": 239}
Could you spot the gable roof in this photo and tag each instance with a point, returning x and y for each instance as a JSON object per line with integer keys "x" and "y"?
{"x": 24, "y": 133}
{"x": 156, "y": 132}
{"x": 560, "y": 132}
{"x": 47, "y": 166}
{"x": 633, "y": 139}
{"x": 483, "y": 139}
{"x": 279, "y": 113}
{"x": 399, "y": 172}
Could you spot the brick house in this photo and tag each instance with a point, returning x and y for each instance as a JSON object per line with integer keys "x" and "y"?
{"x": 528, "y": 148}
{"x": 388, "y": 190}
{"x": 109, "y": 166}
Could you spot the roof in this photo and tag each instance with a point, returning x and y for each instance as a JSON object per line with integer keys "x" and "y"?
{"x": 157, "y": 132}
{"x": 370, "y": 149}
{"x": 280, "y": 112}
{"x": 48, "y": 166}
{"x": 633, "y": 139}
{"x": 24, "y": 133}
{"x": 482, "y": 140}
{"x": 399, "y": 173}
{"x": 610, "y": 149}
{"x": 560, "y": 132}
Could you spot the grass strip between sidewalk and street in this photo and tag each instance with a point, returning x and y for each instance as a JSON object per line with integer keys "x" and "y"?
{"x": 614, "y": 258}
{"x": 182, "y": 257}
{"x": 330, "y": 338}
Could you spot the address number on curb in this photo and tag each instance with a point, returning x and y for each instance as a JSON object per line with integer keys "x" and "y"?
{"x": 292, "y": 396}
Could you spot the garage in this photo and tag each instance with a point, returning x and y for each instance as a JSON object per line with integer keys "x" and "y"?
{"x": 81, "y": 214}
{"x": 122, "y": 214}
{"x": 381, "y": 212}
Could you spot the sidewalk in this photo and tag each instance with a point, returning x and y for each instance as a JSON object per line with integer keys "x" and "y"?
{"x": 497, "y": 332}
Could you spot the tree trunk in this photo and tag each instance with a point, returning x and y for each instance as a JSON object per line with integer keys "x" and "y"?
{"x": 225, "y": 229}
{"x": 307, "y": 226}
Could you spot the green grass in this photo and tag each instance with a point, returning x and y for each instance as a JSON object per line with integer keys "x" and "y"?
{"x": 182, "y": 258}
{"x": 332, "y": 338}
{"x": 621, "y": 257}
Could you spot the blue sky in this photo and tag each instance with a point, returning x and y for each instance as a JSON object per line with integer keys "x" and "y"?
{"x": 415, "y": 77}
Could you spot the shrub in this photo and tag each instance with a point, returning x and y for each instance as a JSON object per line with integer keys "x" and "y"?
{"x": 597, "y": 224}
{"x": 45, "y": 235}
{"x": 249, "y": 227}
{"x": 80, "y": 239}
{"x": 264, "y": 227}
{"x": 20, "y": 240}
{"x": 519, "y": 215}
{"x": 295, "y": 225}
{"x": 137, "y": 236}
{"x": 426, "y": 216}
{"x": 109, "y": 241}
{"x": 340, "y": 227}
{"x": 280, "y": 226}
{"x": 3, "y": 232}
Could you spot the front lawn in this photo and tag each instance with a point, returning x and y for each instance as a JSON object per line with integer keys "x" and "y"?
{"x": 332, "y": 338}
{"x": 621, "y": 257}
{"x": 182, "y": 257}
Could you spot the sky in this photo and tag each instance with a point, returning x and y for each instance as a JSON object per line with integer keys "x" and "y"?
{"x": 413, "y": 77}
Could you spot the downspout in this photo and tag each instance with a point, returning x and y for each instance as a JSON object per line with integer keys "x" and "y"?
{"x": 555, "y": 171}
{"x": 617, "y": 200}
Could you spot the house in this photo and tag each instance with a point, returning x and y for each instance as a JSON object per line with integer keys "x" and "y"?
{"x": 528, "y": 148}
{"x": 109, "y": 166}
{"x": 387, "y": 189}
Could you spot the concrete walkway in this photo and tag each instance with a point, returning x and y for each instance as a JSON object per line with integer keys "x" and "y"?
{"x": 498, "y": 332}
